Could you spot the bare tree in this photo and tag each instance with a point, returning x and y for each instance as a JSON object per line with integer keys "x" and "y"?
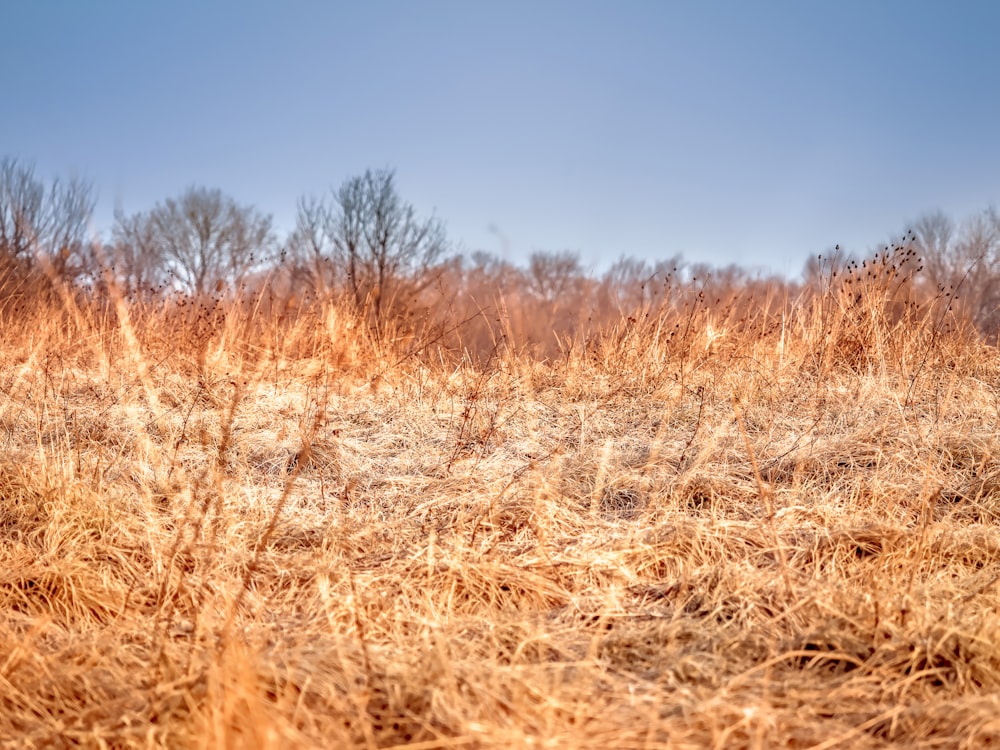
{"x": 978, "y": 245}
{"x": 368, "y": 242}
{"x": 484, "y": 276}
{"x": 386, "y": 252}
{"x": 309, "y": 249}
{"x": 933, "y": 234}
{"x": 203, "y": 239}
{"x": 554, "y": 276}
{"x": 44, "y": 221}
{"x": 561, "y": 300}
{"x": 23, "y": 218}
{"x": 963, "y": 263}
{"x": 134, "y": 259}
{"x": 631, "y": 284}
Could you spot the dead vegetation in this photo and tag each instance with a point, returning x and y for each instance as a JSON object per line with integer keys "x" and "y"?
{"x": 744, "y": 524}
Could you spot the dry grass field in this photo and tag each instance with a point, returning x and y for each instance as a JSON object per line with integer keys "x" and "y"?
{"x": 702, "y": 527}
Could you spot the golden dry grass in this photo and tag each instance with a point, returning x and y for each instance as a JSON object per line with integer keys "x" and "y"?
{"x": 690, "y": 532}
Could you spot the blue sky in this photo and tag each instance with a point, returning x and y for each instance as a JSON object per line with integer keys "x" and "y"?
{"x": 750, "y": 132}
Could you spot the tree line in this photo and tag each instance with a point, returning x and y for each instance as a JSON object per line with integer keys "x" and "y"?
{"x": 364, "y": 244}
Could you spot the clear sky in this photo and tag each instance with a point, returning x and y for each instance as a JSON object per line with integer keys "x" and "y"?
{"x": 751, "y": 132}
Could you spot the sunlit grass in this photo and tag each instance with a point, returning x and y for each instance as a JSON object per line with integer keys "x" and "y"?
{"x": 727, "y": 524}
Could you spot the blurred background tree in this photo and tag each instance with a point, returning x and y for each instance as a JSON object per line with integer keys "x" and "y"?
{"x": 963, "y": 261}
{"x": 203, "y": 240}
{"x": 44, "y": 222}
{"x": 373, "y": 240}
